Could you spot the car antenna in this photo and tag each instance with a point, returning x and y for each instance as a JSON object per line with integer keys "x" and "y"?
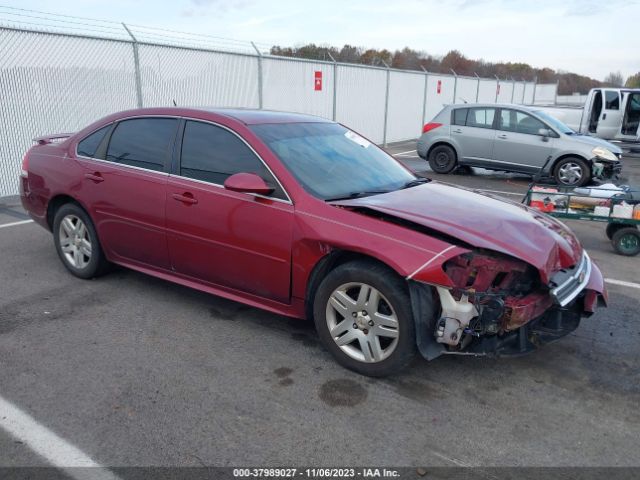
{"x": 174, "y": 103}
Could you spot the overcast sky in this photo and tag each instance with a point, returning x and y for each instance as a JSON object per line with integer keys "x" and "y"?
{"x": 590, "y": 37}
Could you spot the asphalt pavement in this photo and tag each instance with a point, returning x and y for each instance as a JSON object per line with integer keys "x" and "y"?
{"x": 135, "y": 371}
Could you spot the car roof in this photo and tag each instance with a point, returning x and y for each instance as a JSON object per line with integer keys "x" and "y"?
{"x": 252, "y": 116}
{"x": 527, "y": 108}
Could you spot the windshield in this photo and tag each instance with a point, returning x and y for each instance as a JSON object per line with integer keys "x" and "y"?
{"x": 331, "y": 162}
{"x": 554, "y": 122}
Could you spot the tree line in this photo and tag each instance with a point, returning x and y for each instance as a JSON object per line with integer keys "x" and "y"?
{"x": 409, "y": 59}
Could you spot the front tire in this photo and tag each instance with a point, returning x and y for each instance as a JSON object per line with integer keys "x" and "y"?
{"x": 363, "y": 316}
{"x": 77, "y": 242}
{"x": 572, "y": 172}
{"x": 443, "y": 159}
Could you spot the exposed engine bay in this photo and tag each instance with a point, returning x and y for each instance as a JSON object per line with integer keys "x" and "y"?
{"x": 497, "y": 307}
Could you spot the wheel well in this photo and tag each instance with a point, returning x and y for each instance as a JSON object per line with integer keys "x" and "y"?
{"x": 328, "y": 263}
{"x": 563, "y": 157}
{"x": 437, "y": 144}
{"x": 54, "y": 204}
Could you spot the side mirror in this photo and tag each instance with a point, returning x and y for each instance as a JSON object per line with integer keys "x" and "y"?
{"x": 545, "y": 134}
{"x": 247, "y": 183}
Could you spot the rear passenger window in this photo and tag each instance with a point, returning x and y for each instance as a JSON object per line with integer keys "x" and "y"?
{"x": 90, "y": 144}
{"x": 212, "y": 154}
{"x": 460, "y": 116}
{"x": 481, "y": 117}
{"x": 611, "y": 100}
{"x": 142, "y": 142}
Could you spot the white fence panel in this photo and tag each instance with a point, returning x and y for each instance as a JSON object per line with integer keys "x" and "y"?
{"x": 545, "y": 93}
{"x": 572, "y": 99}
{"x": 360, "y": 100}
{"x": 197, "y": 78}
{"x": 487, "y": 93}
{"x": 54, "y": 83}
{"x": 466, "y": 90}
{"x": 290, "y": 85}
{"x": 406, "y": 92}
{"x": 439, "y": 94}
{"x": 518, "y": 92}
{"x": 529, "y": 90}
{"x": 505, "y": 91}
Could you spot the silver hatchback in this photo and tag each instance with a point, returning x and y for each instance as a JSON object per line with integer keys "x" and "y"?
{"x": 515, "y": 138}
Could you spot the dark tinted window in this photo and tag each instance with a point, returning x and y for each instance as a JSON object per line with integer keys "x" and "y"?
{"x": 519, "y": 122}
{"x": 142, "y": 142}
{"x": 611, "y": 100}
{"x": 460, "y": 116}
{"x": 213, "y": 154}
{"x": 481, "y": 117}
{"x": 88, "y": 146}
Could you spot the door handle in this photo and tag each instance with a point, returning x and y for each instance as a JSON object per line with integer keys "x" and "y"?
{"x": 185, "y": 198}
{"x": 604, "y": 116}
{"x": 502, "y": 136}
{"x": 94, "y": 177}
{"x": 457, "y": 131}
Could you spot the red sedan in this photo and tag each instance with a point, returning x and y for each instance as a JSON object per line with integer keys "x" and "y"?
{"x": 306, "y": 218}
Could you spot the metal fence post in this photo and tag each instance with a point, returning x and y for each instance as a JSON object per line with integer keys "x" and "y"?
{"x": 424, "y": 100}
{"x": 259, "y": 75}
{"x": 386, "y": 105}
{"x": 455, "y": 84}
{"x": 524, "y": 90}
{"x": 477, "y": 87}
{"x": 136, "y": 65}
{"x": 535, "y": 87}
{"x": 555, "y": 99}
{"x": 335, "y": 84}
{"x": 497, "y": 88}
{"x": 513, "y": 88}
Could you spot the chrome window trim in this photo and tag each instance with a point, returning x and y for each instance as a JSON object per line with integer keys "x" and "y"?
{"x": 288, "y": 200}
{"x": 115, "y": 164}
{"x": 222, "y": 187}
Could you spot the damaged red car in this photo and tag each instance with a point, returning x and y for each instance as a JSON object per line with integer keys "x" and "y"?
{"x": 304, "y": 217}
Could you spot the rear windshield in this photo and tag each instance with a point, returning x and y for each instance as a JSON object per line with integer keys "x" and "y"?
{"x": 331, "y": 161}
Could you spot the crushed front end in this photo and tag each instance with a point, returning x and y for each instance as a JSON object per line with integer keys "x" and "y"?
{"x": 500, "y": 306}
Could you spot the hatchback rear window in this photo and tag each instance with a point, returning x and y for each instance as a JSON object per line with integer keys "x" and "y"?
{"x": 142, "y": 142}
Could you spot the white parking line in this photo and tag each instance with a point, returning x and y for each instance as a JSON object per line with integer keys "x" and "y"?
{"x": 622, "y": 283}
{"x": 50, "y": 446}
{"x": 14, "y": 224}
{"x": 408, "y": 151}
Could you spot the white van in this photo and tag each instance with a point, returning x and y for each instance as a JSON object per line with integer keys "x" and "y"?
{"x": 608, "y": 113}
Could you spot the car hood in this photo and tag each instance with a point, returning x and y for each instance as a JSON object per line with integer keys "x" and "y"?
{"x": 482, "y": 221}
{"x": 596, "y": 142}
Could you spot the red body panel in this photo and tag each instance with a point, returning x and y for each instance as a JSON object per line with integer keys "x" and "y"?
{"x": 262, "y": 251}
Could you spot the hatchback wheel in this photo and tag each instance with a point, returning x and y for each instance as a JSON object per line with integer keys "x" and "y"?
{"x": 363, "y": 316}
{"x": 77, "y": 243}
{"x": 442, "y": 159}
{"x": 572, "y": 172}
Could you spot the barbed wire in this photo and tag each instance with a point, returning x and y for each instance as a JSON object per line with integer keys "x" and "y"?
{"x": 38, "y": 20}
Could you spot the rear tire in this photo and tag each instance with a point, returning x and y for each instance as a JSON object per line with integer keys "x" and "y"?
{"x": 613, "y": 228}
{"x": 77, "y": 242}
{"x": 572, "y": 172}
{"x": 363, "y": 316}
{"x": 626, "y": 241}
{"x": 443, "y": 159}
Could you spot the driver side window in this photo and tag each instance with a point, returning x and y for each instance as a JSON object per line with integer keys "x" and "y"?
{"x": 212, "y": 154}
{"x": 519, "y": 122}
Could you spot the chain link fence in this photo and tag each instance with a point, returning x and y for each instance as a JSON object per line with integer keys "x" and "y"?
{"x": 59, "y": 82}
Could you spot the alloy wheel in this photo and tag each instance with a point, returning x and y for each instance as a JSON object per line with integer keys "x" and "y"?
{"x": 75, "y": 241}
{"x": 362, "y": 322}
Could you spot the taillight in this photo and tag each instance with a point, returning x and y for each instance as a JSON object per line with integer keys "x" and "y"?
{"x": 25, "y": 166}
{"x": 430, "y": 126}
